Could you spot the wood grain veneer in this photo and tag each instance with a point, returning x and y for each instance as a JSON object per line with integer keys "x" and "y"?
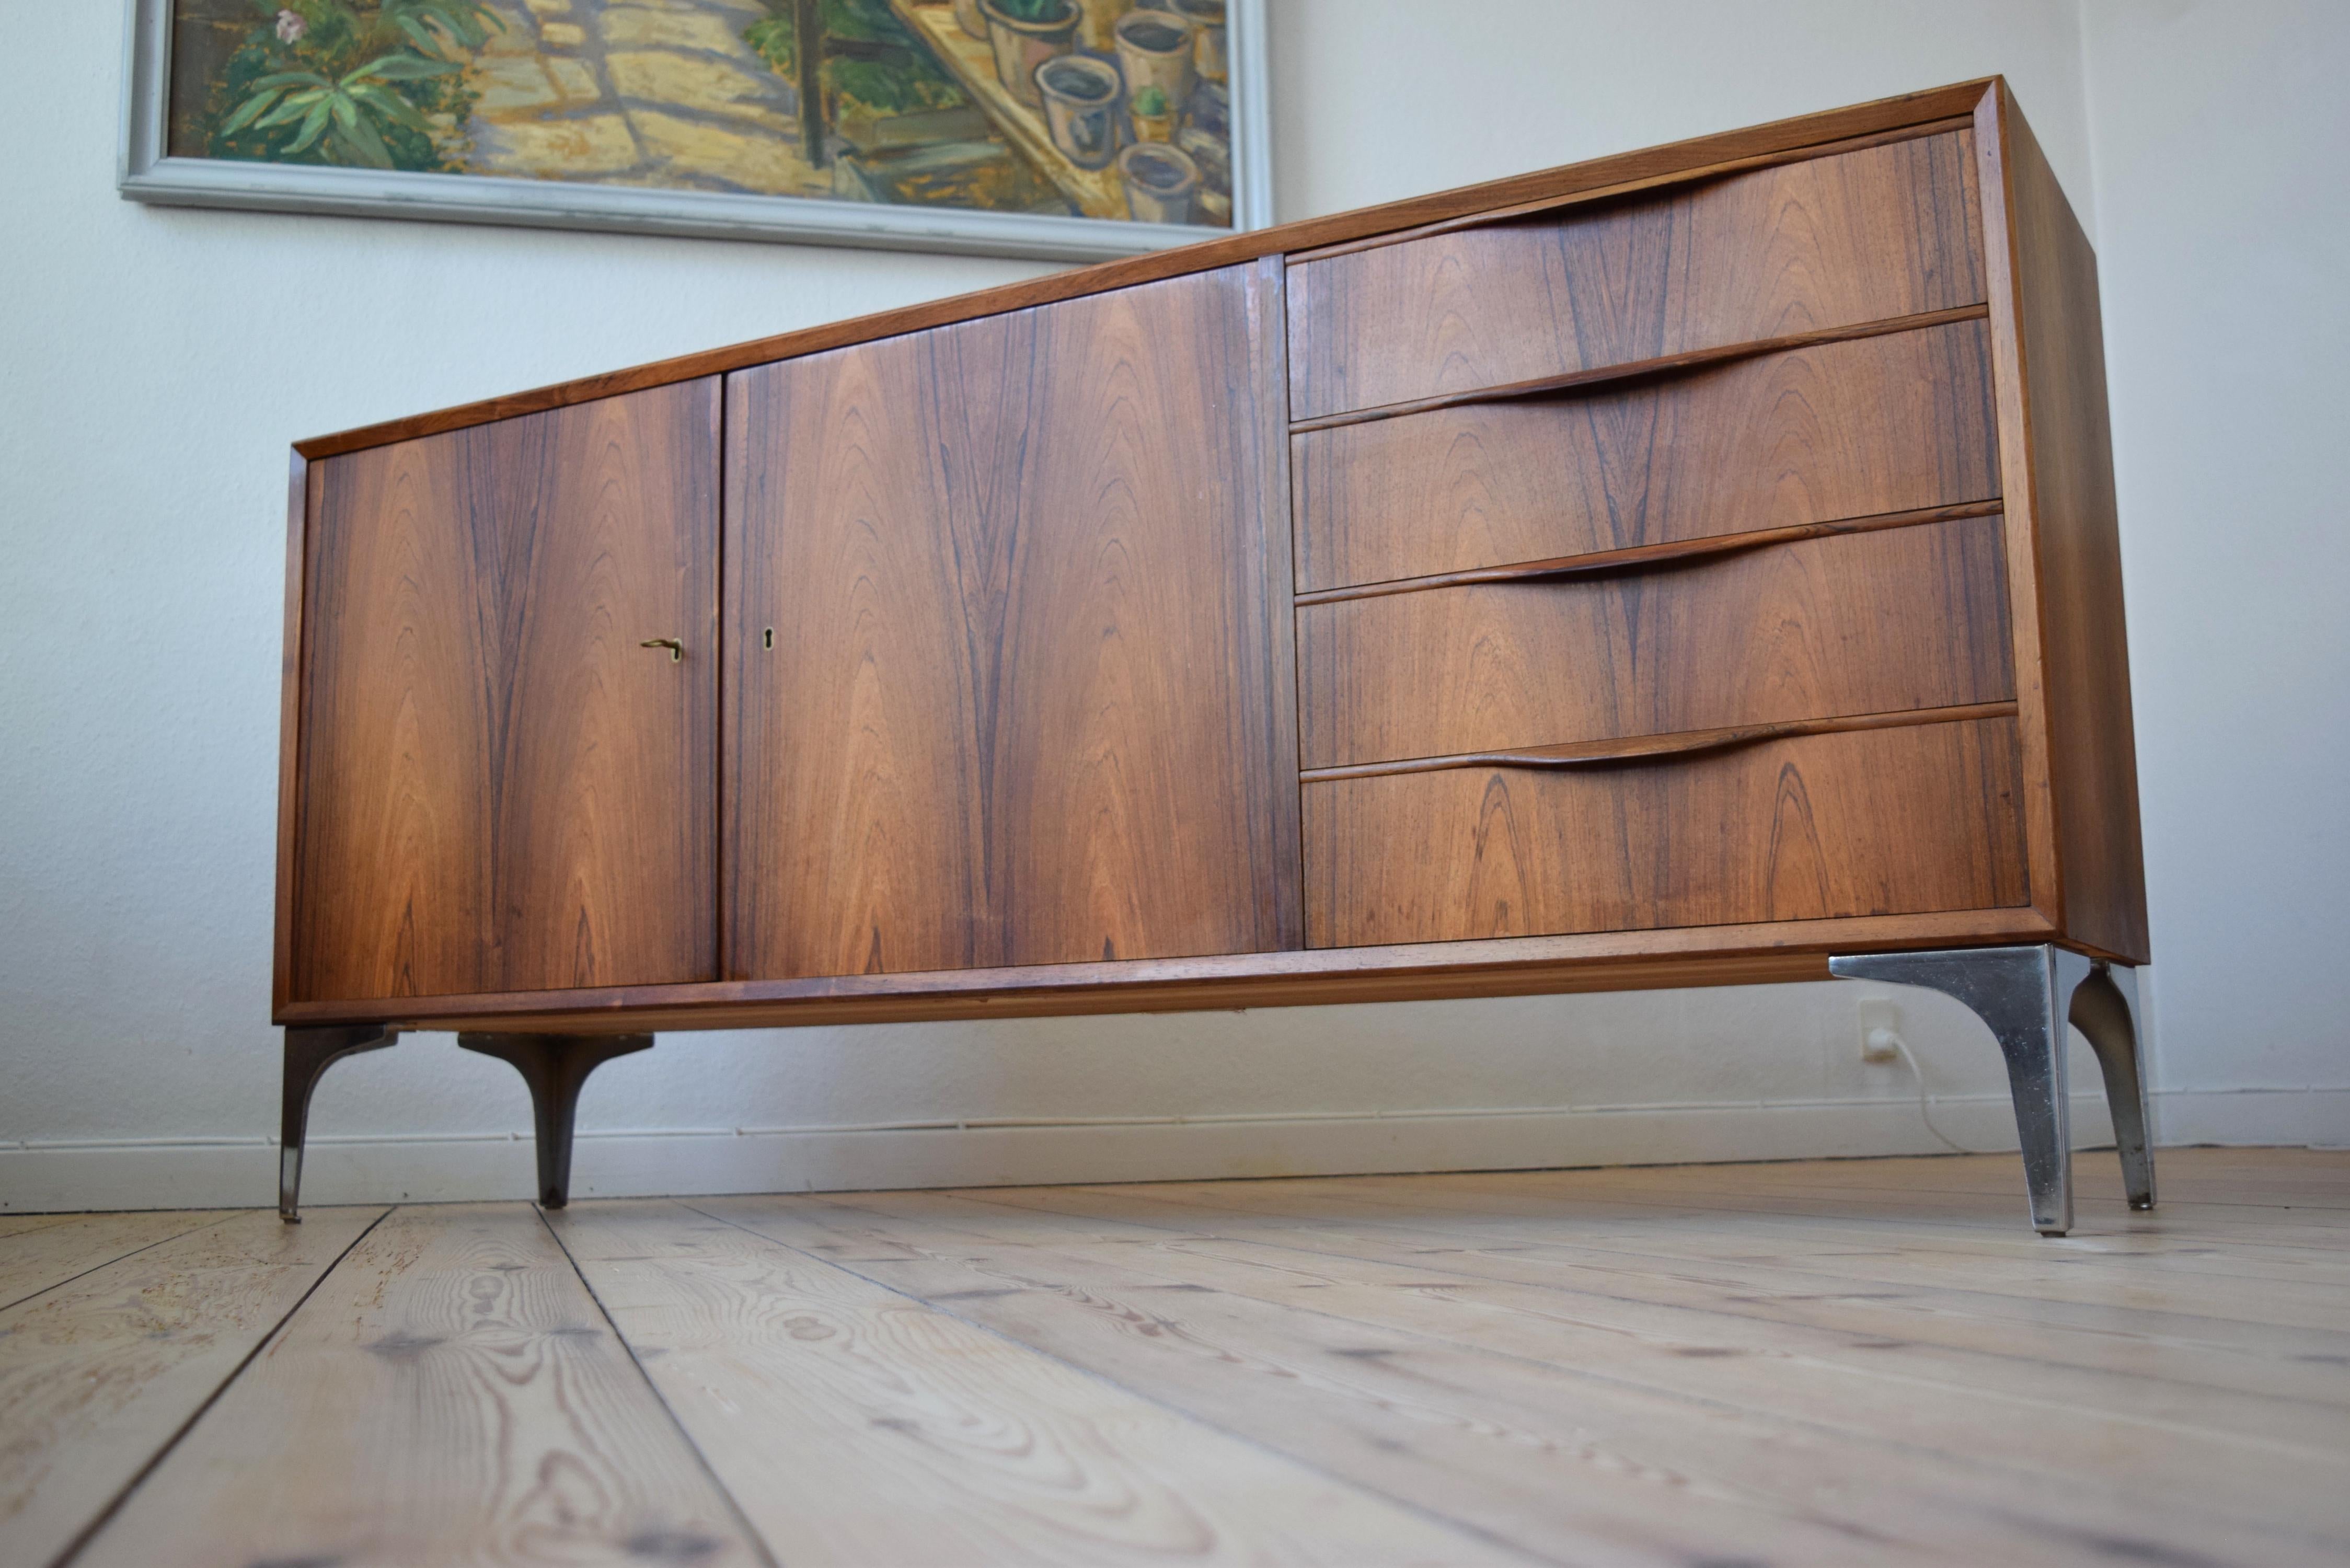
{"x": 2070, "y": 519}
{"x": 1857, "y": 623}
{"x": 1888, "y": 231}
{"x": 1912, "y": 819}
{"x": 499, "y": 789}
{"x": 1879, "y": 424}
{"x": 1017, "y": 573}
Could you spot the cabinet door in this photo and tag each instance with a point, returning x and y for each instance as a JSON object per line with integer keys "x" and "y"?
{"x": 1004, "y": 684}
{"x": 500, "y": 790}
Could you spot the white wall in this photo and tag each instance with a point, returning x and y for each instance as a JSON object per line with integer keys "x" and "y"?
{"x": 2220, "y": 136}
{"x": 154, "y": 364}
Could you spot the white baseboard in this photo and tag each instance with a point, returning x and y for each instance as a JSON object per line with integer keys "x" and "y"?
{"x": 2308, "y": 1117}
{"x": 218, "y": 1173}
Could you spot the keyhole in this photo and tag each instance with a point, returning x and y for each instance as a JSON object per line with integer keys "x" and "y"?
{"x": 769, "y": 637}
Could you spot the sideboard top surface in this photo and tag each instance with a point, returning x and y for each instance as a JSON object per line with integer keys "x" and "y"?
{"x": 1597, "y": 178}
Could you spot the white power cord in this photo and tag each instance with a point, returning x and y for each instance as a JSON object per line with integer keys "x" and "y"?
{"x": 1888, "y": 1037}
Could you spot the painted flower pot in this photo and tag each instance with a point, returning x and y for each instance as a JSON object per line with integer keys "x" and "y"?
{"x": 1159, "y": 183}
{"x": 1153, "y": 127}
{"x": 1154, "y": 49}
{"x": 967, "y": 17}
{"x": 1207, "y": 19}
{"x": 1081, "y": 107}
{"x": 1022, "y": 45}
{"x": 1094, "y": 28}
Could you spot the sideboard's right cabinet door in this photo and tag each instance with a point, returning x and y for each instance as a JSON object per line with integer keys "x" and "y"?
{"x": 1008, "y": 679}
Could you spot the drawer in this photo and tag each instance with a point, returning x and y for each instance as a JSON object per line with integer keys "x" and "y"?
{"x": 1908, "y": 819}
{"x": 1847, "y": 624}
{"x": 1890, "y": 423}
{"x": 1827, "y": 242}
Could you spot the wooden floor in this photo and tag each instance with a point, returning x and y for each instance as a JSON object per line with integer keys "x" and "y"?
{"x": 1839, "y": 1362}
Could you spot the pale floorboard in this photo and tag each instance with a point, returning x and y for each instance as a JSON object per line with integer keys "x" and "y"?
{"x": 859, "y": 1425}
{"x": 44, "y": 1251}
{"x": 1431, "y": 1344}
{"x": 1819, "y": 1363}
{"x": 98, "y": 1374}
{"x": 451, "y": 1394}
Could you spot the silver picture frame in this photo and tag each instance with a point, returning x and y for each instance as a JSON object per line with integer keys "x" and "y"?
{"x": 146, "y": 171}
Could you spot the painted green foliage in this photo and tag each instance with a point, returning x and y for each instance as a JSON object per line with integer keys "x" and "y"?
{"x": 336, "y": 81}
{"x": 887, "y": 71}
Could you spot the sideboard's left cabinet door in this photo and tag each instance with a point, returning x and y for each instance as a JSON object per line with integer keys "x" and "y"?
{"x": 499, "y": 788}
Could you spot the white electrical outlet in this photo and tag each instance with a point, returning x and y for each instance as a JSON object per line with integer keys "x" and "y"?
{"x": 1880, "y": 1031}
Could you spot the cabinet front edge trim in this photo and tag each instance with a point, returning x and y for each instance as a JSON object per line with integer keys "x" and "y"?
{"x": 1093, "y": 987}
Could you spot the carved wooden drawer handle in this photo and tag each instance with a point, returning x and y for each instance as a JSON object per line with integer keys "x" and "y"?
{"x": 1659, "y": 557}
{"x": 1638, "y": 748}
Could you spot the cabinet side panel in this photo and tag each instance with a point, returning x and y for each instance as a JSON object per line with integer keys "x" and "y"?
{"x": 1276, "y": 719}
{"x": 2093, "y": 755}
{"x": 1019, "y": 703}
{"x": 299, "y": 504}
{"x": 500, "y": 790}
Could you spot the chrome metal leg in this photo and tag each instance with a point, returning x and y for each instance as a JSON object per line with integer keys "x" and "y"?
{"x": 556, "y": 1066}
{"x": 2104, "y": 1009}
{"x": 2027, "y": 995}
{"x": 308, "y": 1054}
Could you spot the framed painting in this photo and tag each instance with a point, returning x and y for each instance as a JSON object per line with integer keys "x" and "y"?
{"x": 1061, "y": 129}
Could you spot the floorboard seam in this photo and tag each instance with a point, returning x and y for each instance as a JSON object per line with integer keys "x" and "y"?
{"x": 110, "y": 1262}
{"x": 88, "y": 1533}
{"x": 750, "y": 1531}
{"x": 1462, "y": 1527}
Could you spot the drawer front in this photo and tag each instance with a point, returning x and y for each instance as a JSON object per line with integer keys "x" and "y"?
{"x": 1874, "y": 622}
{"x": 1890, "y": 423}
{"x": 1913, "y": 819}
{"x": 1828, "y": 241}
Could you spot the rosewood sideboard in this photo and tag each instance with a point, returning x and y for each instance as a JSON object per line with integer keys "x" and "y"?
{"x": 1694, "y": 566}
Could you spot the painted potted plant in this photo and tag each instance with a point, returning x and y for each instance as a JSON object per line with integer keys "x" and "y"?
{"x": 1159, "y": 183}
{"x": 1081, "y": 107}
{"x": 1025, "y": 34}
{"x": 967, "y": 17}
{"x": 1154, "y": 117}
{"x": 1208, "y": 53}
{"x": 1154, "y": 49}
{"x": 370, "y": 87}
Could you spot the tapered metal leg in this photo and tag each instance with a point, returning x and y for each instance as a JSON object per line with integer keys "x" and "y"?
{"x": 2027, "y": 995}
{"x": 2104, "y": 1009}
{"x": 308, "y": 1054}
{"x": 556, "y": 1066}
